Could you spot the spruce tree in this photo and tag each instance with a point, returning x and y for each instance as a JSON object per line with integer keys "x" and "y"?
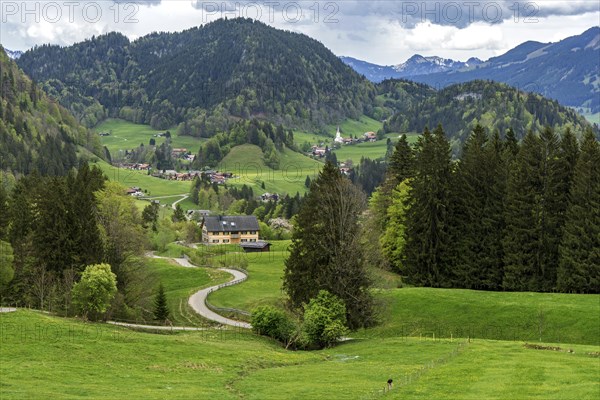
{"x": 579, "y": 263}
{"x": 326, "y": 252}
{"x": 427, "y": 238}
{"x": 4, "y": 216}
{"x": 535, "y": 213}
{"x": 161, "y": 309}
{"x": 178, "y": 214}
{"x": 477, "y": 220}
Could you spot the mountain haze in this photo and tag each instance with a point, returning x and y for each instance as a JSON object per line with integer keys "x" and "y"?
{"x": 567, "y": 71}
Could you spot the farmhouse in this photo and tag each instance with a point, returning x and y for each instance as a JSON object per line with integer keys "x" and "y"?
{"x": 230, "y": 230}
{"x": 370, "y": 136}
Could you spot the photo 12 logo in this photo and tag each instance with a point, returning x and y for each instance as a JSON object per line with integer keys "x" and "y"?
{"x": 68, "y": 11}
{"x": 452, "y": 12}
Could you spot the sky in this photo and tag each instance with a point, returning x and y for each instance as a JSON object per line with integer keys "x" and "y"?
{"x": 382, "y": 32}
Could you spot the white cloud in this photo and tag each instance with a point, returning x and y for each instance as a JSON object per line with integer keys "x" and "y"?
{"x": 384, "y": 32}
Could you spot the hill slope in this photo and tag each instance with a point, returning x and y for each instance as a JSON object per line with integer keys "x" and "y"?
{"x": 233, "y": 67}
{"x": 494, "y": 105}
{"x": 567, "y": 71}
{"x": 35, "y": 132}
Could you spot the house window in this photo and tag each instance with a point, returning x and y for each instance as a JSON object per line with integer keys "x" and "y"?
{"x": 215, "y": 241}
{"x": 225, "y": 240}
{"x": 253, "y": 240}
{"x": 244, "y": 240}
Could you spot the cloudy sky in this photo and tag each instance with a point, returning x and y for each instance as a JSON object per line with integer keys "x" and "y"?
{"x": 383, "y": 32}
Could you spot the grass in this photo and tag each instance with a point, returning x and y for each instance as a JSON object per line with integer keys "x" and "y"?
{"x": 372, "y": 150}
{"x": 246, "y": 162}
{"x": 444, "y": 312}
{"x": 180, "y": 283}
{"x": 127, "y": 135}
{"x": 110, "y": 362}
{"x": 48, "y": 357}
{"x": 352, "y": 127}
{"x": 154, "y": 187}
{"x": 545, "y": 317}
{"x": 264, "y": 282}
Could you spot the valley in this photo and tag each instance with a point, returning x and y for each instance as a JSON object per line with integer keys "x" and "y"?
{"x": 427, "y": 230}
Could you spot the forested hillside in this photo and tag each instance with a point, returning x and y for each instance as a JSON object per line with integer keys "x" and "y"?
{"x": 460, "y": 107}
{"x": 228, "y": 68}
{"x": 36, "y": 133}
{"x": 506, "y": 216}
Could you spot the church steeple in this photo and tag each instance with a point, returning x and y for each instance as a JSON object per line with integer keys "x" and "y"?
{"x": 338, "y": 136}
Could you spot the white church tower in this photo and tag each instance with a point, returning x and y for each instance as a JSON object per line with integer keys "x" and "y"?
{"x": 338, "y": 136}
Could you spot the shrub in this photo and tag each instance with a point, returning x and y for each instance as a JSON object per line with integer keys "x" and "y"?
{"x": 273, "y": 322}
{"x": 324, "y": 320}
{"x": 94, "y": 292}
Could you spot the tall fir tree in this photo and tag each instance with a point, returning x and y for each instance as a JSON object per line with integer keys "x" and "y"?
{"x": 535, "y": 213}
{"x": 427, "y": 238}
{"x": 326, "y": 252}
{"x": 477, "y": 213}
{"x": 579, "y": 264}
{"x": 4, "y": 216}
{"x": 161, "y": 308}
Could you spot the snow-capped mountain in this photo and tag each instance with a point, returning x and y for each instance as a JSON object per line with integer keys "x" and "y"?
{"x": 13, "y": 54}
{"x": 414, "y": 66}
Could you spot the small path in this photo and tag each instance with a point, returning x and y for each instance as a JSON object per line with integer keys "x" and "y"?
{"x": 157, "y": 327}
{"x": 198, "y": 300}
{"x": 183, "y": 197}
{"x": 7, "y": 309}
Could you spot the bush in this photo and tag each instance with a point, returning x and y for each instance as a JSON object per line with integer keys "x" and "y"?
{"x": 273, "y": 322}
{"x": 324, "y": 320}
{"x": 94, "y": 292}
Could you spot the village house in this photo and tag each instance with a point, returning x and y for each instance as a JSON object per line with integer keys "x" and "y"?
{"x": 230, "y": 229}
{"x": 370, "y": 136}
{"x": 176, "y": 153}
{"x": 269, "y": 197}
{"x": 319, "y": 151}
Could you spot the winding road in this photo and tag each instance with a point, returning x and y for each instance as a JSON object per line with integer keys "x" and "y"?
{"x": 198, "y": 300}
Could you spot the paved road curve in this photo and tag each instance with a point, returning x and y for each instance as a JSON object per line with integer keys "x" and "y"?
{"x": 198, "y": 301}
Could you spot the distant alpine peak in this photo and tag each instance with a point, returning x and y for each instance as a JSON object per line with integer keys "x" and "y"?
{"x": 420, "y": 65}
{"x": 13, "y": 54}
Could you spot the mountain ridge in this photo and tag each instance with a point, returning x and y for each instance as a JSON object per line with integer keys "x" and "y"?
{"x": 567, "y": 71}
{"x": 238, "y": 68}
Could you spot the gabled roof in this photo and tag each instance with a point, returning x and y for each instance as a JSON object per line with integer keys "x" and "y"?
{"x": 255, "y": 245}
{"x": 231, "y": 224}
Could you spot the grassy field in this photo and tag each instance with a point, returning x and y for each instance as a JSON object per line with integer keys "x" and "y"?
{"x": 48, "y": 357}
{"x": 154, "y": 187}
{"x": 264, "y": 282}
{"x": 180, "y": 283}
{"x": 370, "y": 150}
{"x": 352, "y": 127}
{"x": 127, "y": 135}
{"x": 246, "y": 162}
{"x": 545, "y": 317}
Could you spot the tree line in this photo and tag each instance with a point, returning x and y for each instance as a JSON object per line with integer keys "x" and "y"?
{"x": 52, "y": 228}
{"x": 505, "y": 216}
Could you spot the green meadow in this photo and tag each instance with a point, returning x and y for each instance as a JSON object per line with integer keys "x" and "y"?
{"x": 247, "y": 164}
{"x": 543, "y": 317}
{"x": 43, "y": 356}
{"x": 154, "y": 187}
{"x": 127, "y": 135}
{"x": 179, "y": 284}
{"x": 372, "y": 150}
